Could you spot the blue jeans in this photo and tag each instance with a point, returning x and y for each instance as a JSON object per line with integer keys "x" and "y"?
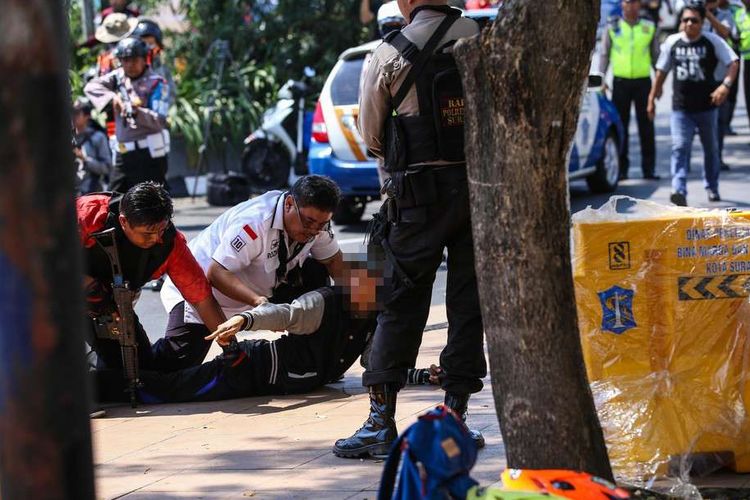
{"x": 683, "y": 125}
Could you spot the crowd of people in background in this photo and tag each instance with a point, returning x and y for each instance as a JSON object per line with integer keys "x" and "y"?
{"x": 704, "y": 59}
{"x": 132, "y": 88}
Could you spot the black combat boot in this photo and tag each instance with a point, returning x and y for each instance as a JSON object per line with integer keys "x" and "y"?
{"x": 460, "y": 403}
{"x": 374, "y": 438}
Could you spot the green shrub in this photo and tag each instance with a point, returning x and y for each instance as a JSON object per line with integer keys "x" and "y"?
{"x": 269, "y": 44}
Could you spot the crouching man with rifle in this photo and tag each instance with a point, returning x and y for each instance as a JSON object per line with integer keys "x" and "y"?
{"x": 129, "y": 240}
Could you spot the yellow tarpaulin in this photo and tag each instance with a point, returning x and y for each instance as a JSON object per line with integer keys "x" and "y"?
{"x": 663, "y": 308}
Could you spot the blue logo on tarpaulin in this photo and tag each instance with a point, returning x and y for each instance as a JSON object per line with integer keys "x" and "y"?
{"x": 617, "y": 309}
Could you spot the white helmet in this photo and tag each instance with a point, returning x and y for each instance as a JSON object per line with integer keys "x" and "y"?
{"x": 390, "y": 18}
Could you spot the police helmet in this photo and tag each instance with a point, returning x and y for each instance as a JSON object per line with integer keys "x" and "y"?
{"x": 131, "y": 47}
{"x": 147, "y": 27}
{"x": 390, "y": 18}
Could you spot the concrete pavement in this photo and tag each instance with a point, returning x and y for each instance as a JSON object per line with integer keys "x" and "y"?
{"x": 266, "y": 447}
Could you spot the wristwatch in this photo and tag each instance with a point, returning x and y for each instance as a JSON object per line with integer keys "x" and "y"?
{"x": 727, "y": 83}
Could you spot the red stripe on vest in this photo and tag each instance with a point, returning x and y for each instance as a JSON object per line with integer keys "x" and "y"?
{"x": 250, "y": 232}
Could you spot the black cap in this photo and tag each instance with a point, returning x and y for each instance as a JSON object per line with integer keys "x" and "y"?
{"x": 131, "y": 47}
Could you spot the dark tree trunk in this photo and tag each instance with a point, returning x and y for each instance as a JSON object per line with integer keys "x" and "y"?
{"x": 45, "y": 441}
{"x": 523, "y": 79}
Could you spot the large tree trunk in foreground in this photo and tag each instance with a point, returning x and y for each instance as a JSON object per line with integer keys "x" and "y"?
{"x": 45, "y": 442}
{"x": 523, "y": 80}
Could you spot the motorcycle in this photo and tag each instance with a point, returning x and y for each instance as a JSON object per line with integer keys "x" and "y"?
{"x": 276, "y": 153}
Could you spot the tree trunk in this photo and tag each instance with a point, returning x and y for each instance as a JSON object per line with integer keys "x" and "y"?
{"x": 523, "y": 79}
{"x": 45, "y": 441}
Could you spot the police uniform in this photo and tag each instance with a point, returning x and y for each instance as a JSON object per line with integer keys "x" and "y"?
{"x": 632, "y": 49}
{"x": 324, "y": 340}
{"x": 140, "y": 152}
{"x": 249, "y": 241}
{"x": 429, "y": 202}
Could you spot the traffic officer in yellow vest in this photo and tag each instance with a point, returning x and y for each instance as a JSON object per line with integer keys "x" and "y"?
{"x": 630, "y": 45}
{"x": 742, "y": 18}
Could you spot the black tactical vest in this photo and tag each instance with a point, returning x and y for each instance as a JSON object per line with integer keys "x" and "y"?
{"x": 138, "y": 264}
{"x": 437, "y": 133}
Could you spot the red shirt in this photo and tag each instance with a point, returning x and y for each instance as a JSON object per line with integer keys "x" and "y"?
{"x": 180, "y": 265}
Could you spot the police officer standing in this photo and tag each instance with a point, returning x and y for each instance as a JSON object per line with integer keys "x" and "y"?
{"x": 414, "y": 74}
{"x": 150, "y": 32}
{"x": 140, "y": 100}
{"x": 631, "y": 46}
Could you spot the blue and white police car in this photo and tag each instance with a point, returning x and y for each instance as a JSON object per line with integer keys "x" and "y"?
{"x": 337, "y": 149}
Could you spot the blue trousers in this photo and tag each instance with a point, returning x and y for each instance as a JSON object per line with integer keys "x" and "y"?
{"x": 683, "y": 126}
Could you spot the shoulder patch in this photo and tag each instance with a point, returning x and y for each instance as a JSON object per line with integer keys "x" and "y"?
{"x": 238, "y": 243}
{"x": 250, "y": 232}
{"x": 392, "y": 65}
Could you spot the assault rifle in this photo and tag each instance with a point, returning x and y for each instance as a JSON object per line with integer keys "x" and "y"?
{"x": 120, "y": 326}
{"x": 127, "y": 103}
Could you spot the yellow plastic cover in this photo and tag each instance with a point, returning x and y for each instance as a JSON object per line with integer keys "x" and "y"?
{"x": 663, "y": 309}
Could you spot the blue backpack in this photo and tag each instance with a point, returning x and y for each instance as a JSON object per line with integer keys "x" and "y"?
{"x": 436, "y": 454}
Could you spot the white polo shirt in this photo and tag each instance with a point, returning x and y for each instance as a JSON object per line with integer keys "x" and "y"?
{"x": 245, "y": 240}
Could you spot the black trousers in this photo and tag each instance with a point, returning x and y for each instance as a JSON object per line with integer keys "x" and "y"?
{"x": 184, "y": 344}
{"x": 417, "y": 242}
{"x": 135, "y": 167}
{"x": 746, "y": 83}
{"x": 624, "y": 93}
{"x": 726, "y": 113}
{"x": 227, "y": 376}
{"x": 734, "y": 92}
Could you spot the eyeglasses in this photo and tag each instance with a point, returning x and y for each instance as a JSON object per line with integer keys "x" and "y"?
{"x": 310, "y": 224}
{"x": 690, "y": 20}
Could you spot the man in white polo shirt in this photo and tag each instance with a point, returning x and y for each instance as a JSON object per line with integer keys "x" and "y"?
{"x": 257, "y": 252}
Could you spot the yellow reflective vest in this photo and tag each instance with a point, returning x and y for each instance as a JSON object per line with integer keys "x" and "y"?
{"x": 742, "y": 18}
{"x": 630, "y": 53}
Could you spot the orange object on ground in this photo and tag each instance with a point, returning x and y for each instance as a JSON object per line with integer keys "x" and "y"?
{"x": 562, "y": 483}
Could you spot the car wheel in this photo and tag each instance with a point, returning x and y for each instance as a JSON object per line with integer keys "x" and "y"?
{"x": 604, "y": 180}
{"x": 350, "y": 210}
{"x": 266, "y": 165}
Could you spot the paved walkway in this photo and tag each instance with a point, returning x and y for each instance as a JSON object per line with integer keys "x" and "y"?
{"x": 266, "y": 447}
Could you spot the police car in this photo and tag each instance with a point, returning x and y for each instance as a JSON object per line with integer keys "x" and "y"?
{"x": 336, "y": 148}
{"x": 338, "y": 151}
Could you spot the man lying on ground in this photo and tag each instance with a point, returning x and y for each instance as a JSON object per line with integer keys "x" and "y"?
{"x": 327, "y": 331}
